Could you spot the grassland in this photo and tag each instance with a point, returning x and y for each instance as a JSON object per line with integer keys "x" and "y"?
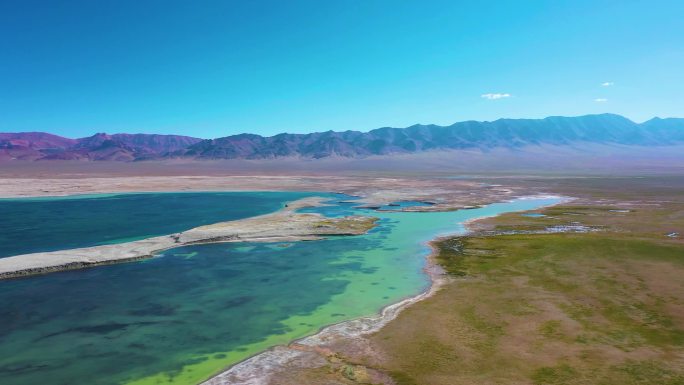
{"x": 603, "y": 306}
{"x": 546, "y": 309}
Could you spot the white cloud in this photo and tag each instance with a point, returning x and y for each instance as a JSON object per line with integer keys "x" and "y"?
{"x": 607, "y": 84}
{"x": 495, "y": 96}
{"x": 600, "y": 100}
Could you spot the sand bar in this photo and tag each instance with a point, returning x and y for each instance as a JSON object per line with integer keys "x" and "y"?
{"x": 283, "y": 225}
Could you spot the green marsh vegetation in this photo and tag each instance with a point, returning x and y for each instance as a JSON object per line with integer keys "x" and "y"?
{"x": 599, "y": 307}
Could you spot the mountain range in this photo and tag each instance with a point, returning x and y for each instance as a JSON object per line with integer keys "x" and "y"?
{"x": 117, "y": 147}
{"x": 606, "y": 129}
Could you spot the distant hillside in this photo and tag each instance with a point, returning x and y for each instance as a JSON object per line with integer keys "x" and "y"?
{"x": 118, "y": 147}
{"x": 511, "y": 133}
{"x": 605, "y": 129}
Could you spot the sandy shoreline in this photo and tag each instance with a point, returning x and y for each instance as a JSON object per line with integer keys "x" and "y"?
{"x": 285, "y": 225}
{"x": 258, "y": 369}
{"x": 308, "y": 351}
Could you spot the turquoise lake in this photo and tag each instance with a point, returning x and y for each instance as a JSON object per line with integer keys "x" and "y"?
{"x": 191, "y": 311}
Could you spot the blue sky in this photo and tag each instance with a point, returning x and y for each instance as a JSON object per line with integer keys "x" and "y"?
{"x": 215, "y": 68}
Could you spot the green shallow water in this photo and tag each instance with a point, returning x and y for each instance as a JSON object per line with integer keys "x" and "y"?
{"x": 181, "y": 317}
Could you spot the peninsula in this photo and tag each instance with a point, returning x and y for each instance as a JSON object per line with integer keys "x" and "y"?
{"x": 282, "y": 226}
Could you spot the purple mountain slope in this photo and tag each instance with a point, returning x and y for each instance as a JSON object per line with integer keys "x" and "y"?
{"x": 604, "y": 129}
{"x": 118, "y": 147}
{"x": 509, "y": 133}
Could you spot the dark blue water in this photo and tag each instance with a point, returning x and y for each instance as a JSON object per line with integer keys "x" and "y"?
{"x": 33, "y": 225}
{"x": 119, "y": 323}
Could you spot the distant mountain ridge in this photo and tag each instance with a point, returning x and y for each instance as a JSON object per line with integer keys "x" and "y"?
{"x": 117, "y": 147}
{"x": 608, "y": 129}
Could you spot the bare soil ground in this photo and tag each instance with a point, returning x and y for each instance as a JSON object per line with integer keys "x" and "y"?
{"x": 27, "y": 180}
